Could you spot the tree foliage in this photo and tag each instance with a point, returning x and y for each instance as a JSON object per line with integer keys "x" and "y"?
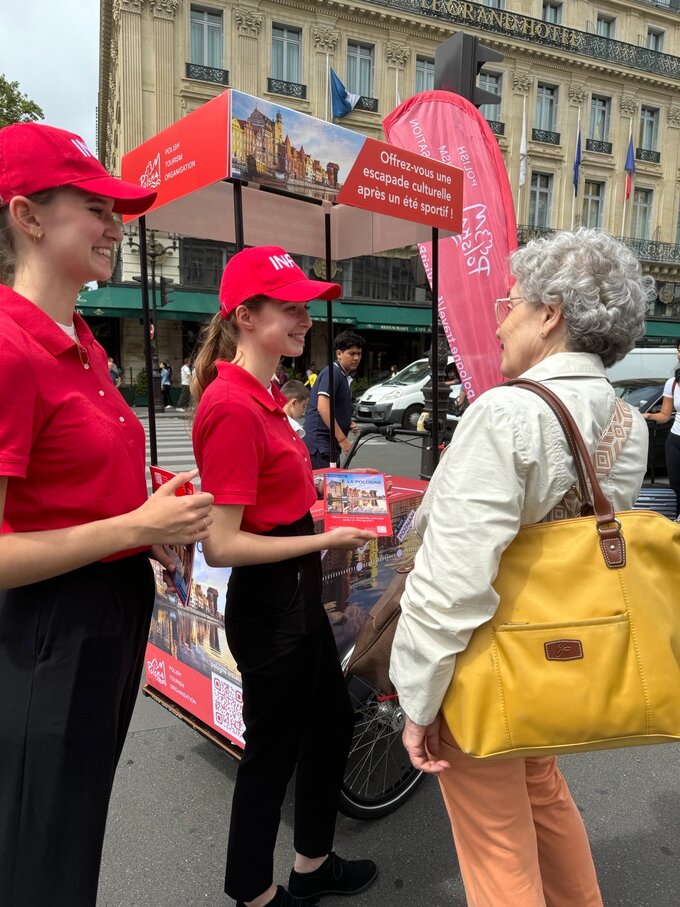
{"x": 15, "y": 106}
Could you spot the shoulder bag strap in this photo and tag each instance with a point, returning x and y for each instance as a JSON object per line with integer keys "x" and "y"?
{"x": 612, "y": 543}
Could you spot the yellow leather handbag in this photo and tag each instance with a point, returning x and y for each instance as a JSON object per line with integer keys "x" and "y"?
{"x": 583, "y": 652}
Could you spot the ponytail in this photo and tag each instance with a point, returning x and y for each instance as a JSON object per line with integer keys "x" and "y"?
{"x": 8, "y": 254}
{"x": 218, "y": 340}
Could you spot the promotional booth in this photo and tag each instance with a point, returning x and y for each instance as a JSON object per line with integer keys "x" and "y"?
{"x": 244, "y": 170}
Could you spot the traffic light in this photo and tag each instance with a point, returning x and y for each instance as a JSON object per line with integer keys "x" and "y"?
{"x": 167, "y": 294}
{"x": 457, "y": 63}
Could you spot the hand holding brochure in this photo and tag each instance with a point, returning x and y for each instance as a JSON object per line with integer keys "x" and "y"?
{"x": 356, "y": 499}
{"x": 183, "y": 555}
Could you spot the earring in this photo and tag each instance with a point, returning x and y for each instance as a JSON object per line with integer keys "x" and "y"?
{"x": 37, "y": 237}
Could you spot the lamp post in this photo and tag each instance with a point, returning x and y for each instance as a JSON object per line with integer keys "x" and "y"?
{"x": 155, "y": 252}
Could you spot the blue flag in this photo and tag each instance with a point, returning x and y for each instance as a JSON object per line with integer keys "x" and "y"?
{"x": 630, "y": 165}
{"x": 577, "y": 161}
{"x": 342, "y": 102}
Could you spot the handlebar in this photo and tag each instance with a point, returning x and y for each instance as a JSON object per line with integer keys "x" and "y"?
{"x": 389, "y": 432}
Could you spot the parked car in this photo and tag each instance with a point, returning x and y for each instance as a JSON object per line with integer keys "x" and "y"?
{"x": 646, "y": 394}
{"x": 399, "y": 399}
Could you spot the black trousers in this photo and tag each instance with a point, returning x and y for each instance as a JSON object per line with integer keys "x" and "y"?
{"x": 297, "y": 714}
{"x": 673, "y": 465}
{"x": 71, "y": 653}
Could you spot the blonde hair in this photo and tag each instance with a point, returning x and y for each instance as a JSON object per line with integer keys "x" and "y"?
{"x": 218, "y": 340}
{"x": 8, "y": 246}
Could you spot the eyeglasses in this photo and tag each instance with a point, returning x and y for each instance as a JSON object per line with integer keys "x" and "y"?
{"x": 505, "y": 305}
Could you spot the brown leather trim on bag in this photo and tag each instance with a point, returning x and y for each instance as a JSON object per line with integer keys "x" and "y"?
{"x": 563, "y": 649}
{"x": 612, "y": 544}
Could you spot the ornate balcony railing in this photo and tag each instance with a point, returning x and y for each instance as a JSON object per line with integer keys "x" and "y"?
{"x": 207, "y": 73}
{"x": 290, "y": 89}
{"x": 597, "y": 145}
{"x": 497, "y": 127}
{"x": 544, "y": 135}
{"x": 369, "y": 104}
{"x": 514, "y": 25}
{"x": 646, "y": 154}
{"x": 645, "y": 249}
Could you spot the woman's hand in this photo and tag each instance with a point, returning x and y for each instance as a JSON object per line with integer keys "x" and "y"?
{"x": 165, "y": 519}
{"x": 421, "y": 742}
{"x": 346, "y": 538}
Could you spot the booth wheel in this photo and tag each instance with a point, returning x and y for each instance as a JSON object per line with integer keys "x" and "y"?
{"x": 379, "y": 776}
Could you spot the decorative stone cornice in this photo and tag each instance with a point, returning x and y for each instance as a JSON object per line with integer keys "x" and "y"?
{"x": 397, "y": 55}
{"x": 577, "y": 95}
{"x": 325, "y": 39}
{"x": 521, "y": 83}
{"x": 126, "y": 6}
{"x": 248, "y": 22}
{"x": 674, "y": 117}
{"x": 164, "y": 9}
{"x": 628, "y": 105}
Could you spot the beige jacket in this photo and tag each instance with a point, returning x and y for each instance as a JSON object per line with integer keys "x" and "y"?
{"x": 507, "y": 466}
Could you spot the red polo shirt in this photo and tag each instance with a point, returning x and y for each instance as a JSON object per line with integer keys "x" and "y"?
{"x": 71, "y": 447}
{"x": 247, "y": 452}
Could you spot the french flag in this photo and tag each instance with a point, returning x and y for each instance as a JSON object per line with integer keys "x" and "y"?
{"x": 630, "y": 165}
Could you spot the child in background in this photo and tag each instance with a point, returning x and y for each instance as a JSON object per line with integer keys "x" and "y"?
{"x": 297, "y": 396}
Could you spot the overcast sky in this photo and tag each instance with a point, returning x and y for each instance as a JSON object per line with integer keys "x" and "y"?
{"x": 51, "y": 47}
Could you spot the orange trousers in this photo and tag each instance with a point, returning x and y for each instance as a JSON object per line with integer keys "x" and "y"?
{"x": 520, "y": 839}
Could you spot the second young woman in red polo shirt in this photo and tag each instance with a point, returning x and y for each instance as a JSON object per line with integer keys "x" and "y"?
{"x": 296, "y": 709}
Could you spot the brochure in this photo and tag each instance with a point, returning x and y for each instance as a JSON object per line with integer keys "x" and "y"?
{"x": 356, "y": 499}
{"x": 183, "y": 555}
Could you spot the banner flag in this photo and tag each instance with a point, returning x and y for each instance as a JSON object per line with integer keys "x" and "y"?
{"x": 577, "y": 159}
{"x": 342, "y": 102}
{"x": 523, "y": 146}
{"x": 630, "y": 164}
{"x": 473, "y": 265}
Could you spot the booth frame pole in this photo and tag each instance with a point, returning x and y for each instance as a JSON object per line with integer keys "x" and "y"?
{"x": 148, "y": 358}
{"x": 331, "y": 351}
{"x": 434, "y": 435}
{"x": 239, "y": 239}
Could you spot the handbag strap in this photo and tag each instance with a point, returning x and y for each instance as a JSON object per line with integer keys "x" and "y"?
{"x": 612, "y": 543}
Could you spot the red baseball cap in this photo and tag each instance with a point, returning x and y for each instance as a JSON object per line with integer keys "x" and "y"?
{"x": 269, "y": 271}
{"x": 34, "y": 157}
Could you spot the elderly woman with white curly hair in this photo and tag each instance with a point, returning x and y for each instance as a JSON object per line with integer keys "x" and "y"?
{"x": 577, "y": 305}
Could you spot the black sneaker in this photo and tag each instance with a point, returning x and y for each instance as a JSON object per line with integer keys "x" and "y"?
{"x": 334, "y": 876}
{"x": 283, "y": 898}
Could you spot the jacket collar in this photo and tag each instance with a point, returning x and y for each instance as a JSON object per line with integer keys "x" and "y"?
{"x": 41, "y": 326}
{"x": 567, "y": 365}
{"x": 239, "y": 377}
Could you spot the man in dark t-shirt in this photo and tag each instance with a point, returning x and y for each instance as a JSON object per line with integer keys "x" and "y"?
{"x": 348, "y": 348}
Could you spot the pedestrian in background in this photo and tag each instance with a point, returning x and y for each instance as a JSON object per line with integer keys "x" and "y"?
{"x": 77, "y": 527}
{"x": 578, "y": 306}
{"x": 311, "y": 375}
{"x": 114, "y": 372}
{"x": 670, "y": 408}
{"x": 166, "y": 383}
{"x": 348, "y": 347}
{"x": 297, "y": 399}
{"x": 185, "y": 380}
{"x": 276, "y": 625}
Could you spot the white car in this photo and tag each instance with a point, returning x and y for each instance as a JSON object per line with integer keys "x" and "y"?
{"x": 399, "y": 399}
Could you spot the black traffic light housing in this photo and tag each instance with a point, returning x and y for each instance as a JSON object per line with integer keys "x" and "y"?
{"x": 457, "y": 63}
{"x": 167, "y": 294}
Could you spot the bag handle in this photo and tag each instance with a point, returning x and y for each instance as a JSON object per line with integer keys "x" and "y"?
{"x": 612, "y": 543}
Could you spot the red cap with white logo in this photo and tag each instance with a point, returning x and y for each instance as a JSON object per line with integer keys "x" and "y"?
{"x": 269, "y": 271}
{"x": 34, "y": 157}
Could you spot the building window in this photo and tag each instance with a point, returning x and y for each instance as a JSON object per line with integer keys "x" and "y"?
{"x": 384, "y": 279}
{"x": 655, "y": 39}
{"x": 286, "y": 54}
{"x": 546, "y": 107}
{"x": 677, "y": 230}
{"x": 494, "y": 4}
{"x": 600, "y": 110}
{"x": 360, "y": 69}
{"x": 490, "y": 81}
{"x": 593, "y": 204}
{"x": 642, "y": 212}
{"x": 540, "y": 200}
{"x": 207, "y": 39}
{"x": 552, "y": 12}
{"x": 605, "y": 26}
{"x": 424, "y": 74}
{"x": 202, "y": 262}
{"x": 649, "y": 128}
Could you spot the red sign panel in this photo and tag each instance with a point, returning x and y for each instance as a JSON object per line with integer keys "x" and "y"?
{"x": 403, "y": 184}
{"x": 190, "y": 154}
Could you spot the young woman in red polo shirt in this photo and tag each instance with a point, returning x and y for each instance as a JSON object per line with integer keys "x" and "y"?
{"x": 77, "y": 525}
{"x": 296, "y": 709}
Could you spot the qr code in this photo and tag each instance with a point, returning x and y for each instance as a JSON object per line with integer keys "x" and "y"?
{"x": 227, "y": 703}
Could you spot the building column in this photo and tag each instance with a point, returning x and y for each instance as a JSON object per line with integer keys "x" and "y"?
{"x": 396, "y": 57}
{"x": 248, "y": 27}
{"x": 325, "y": 44}
{"x": 127, "y": 14}
{"x": 164, "y": 12}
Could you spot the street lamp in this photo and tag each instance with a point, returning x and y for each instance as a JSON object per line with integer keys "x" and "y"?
{"x": 155, "y": 252}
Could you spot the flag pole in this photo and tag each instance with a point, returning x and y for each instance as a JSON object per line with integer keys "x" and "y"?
{"x": 573, "y": 201}
{"x": 328, "y": 84}
{"x": 522, "y": 158}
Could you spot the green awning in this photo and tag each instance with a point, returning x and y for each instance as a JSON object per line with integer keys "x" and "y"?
{"x": 662, "y": 329}
{"x": 405, "y": 319}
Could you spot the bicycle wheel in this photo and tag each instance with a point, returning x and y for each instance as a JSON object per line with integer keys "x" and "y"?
{"x": 379, "y": 776}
